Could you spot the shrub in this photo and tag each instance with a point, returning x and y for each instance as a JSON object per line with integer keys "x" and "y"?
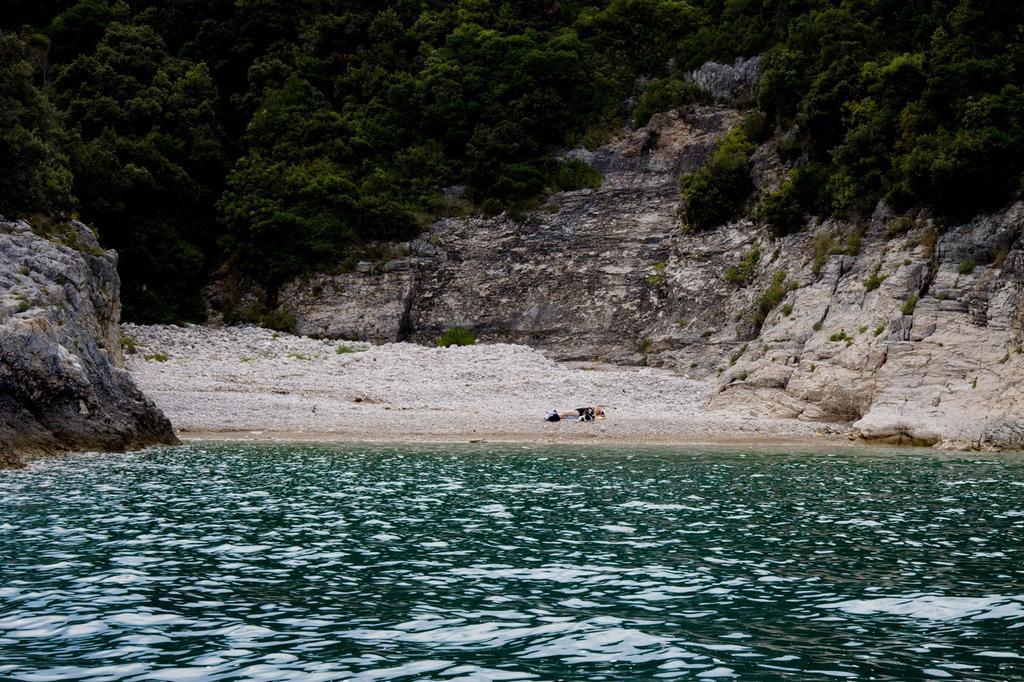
{"x": 801, "y": 194}
{"x": 879, "y": 329}
{"x": 343, "y": 349}
{"x": 853, "y": 243}
{"x": 817, "y": 326}
{"x": 716, "y": 192}
{"x": 770, "y": 297}
{"x": 157, "y": 357}
{"x": 898, "y": 226}
{"x": 787, "y": 310}
{"x": 456, "y": 336}
{"x": 874, "y": 280}
{"x": 741, "y": 274}
{"x": 279, "y": 321}
{"x": 756, "y": 127}
{"x": 930, "y": 240}
{"x": 910, "y": 305}
{"x": 824, "y": 246}
{"x": 129, "y": 344}
{"x": 575, "y": 174}
{"x": 662, "y": 95}
{"x": 840, "y": 335}
{"x": 966, "y": 266}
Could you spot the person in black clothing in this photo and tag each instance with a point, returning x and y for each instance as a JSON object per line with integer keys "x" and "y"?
{"x": 583, "y": 414}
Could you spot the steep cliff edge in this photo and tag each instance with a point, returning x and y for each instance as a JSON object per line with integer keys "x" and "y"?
{"x": 62, "y": 380}
{"x": 912, "y": 333}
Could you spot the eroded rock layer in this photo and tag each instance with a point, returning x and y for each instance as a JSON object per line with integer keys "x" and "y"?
{"x": 910, "y": 331}
{"x": 62, "y": 380}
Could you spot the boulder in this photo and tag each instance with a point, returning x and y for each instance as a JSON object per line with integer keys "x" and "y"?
{"x": 63, "y": 385}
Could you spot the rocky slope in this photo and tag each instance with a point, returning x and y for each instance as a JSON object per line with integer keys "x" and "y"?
{"x": 912, "y": 332}
{"x": 62, "y": 380}
{"x": 573, "y": 277}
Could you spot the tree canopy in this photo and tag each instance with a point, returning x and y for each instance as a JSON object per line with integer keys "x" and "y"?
{"x": 275, "y": 137}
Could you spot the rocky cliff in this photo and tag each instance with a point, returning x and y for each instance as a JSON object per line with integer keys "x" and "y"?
{"x": 910, "y": 332}
{"x": 62, "y": 382}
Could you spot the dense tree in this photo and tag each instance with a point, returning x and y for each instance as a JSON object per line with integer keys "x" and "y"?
{"x": 34, "y": 173}
{"x": 280, "y": 136}
{"x": 147, "y": 164}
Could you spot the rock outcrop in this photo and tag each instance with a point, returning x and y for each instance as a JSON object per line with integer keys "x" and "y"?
{"x": 578, "y": 277}
{"x": 912, "y": 333}
{"x": 916, "y": 338}
{"x": 62, "y": 380}
{"x": 737, "y": 81}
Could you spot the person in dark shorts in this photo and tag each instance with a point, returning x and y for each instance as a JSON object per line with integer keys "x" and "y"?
{"x": 583, "y": 414}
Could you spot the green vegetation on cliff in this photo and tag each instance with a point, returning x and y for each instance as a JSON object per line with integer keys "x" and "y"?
{"x": 278, "y": 136}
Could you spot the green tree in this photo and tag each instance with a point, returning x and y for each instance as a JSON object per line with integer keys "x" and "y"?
{"x": 34, "y": 172}
{"x": 146, "y": 166}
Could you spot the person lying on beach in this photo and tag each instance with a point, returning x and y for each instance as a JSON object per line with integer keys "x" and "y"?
{"x": 583, "y": 414}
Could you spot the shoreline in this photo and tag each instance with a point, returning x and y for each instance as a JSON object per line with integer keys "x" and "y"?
{"x": 247, "y": 384}
{"x": 512, "y": 438}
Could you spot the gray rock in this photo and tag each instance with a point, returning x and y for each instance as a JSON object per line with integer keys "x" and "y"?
{"x": 579, "y": 278}
{"x": 738, "y": 81}
{"x": 608, "y": 275}
{"x": 63, "y": 385}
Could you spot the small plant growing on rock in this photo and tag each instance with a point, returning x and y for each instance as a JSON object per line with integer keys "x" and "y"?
{"x": 737, "y": 355}
{"x": 129, "y": 344}
{"x": 874, "y": 280}
{"x": 853, "y": 243}
{"x": 966, "y": 266}
{"x": 300, "y": 356}
{"x": 787, "y": 310}
{"x": 817, "y": 326}
{"x": 999, "y": 257}
{"x": 741, "y": 274}
{"x": 898, "y": 226}
{"x": 861, "y": 329}
{"x": 157, "y": 357}
{"x": 658, "y": 278}
{"x": 343, "y": 348}
{"x": 770, "y": 297}
{"x": 456, "y": 336}
{"x": 910, "y": 304}
{"x": 840, "y": 335}
{"x": 823, "y": 245}
{"x": 929, "y": 240}
{"x": 879, "y": 329}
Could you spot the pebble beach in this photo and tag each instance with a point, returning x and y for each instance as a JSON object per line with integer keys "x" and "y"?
{"x": 249, "y": 383}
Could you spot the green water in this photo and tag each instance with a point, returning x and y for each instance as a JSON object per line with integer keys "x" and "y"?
{"x": 503, "y": 562}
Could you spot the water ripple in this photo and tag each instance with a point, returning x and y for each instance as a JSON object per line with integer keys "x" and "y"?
{"x": 511, "y": 563}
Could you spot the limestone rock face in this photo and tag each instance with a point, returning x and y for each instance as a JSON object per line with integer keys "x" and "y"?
{"x": 886, "y": 325}
{"x": 916, "y": 339}
{"x": 581, "y": 277}
{"x": 728, "y": 82}
{"x": 62, "y": 380}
